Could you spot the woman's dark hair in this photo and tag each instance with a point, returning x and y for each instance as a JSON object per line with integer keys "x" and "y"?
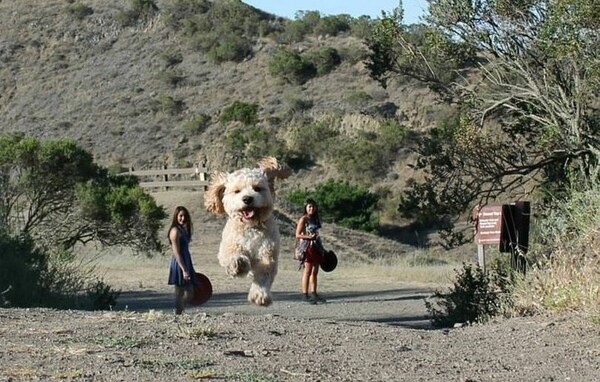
{"x": 188, "y": 220}
{"x": 315, "y": 217}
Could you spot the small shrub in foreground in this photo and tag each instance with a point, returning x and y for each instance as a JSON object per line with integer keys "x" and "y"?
{"x": 475, "y": 297}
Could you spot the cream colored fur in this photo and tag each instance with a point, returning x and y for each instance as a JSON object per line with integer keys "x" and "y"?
{"x": 250, "y": 240}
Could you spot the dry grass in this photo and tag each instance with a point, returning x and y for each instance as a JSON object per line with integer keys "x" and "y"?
{"x": 567, "y": 278}
{"x": 570, "y": 281}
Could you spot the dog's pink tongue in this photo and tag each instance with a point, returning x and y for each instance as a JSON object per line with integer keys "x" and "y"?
{"x": 248, "y": 214}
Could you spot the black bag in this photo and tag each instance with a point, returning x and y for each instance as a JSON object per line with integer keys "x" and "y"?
{"x": 329, "y": 261}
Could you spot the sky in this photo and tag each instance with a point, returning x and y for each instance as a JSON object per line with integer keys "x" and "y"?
{"x": 413, "y": 9}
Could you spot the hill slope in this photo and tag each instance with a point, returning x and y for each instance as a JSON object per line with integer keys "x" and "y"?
{"x": 113, "y": 89}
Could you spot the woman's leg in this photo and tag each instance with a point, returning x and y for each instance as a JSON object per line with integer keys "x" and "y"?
{"x": 179, "y": 299}
{"x": 313, "y": 278}
{"x": 306, "y": 274}
{"x": 315, "y": 296}
{"x": 188, "y": 294}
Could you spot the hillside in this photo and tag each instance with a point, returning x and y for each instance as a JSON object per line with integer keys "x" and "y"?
{"x": 128, "y": 93}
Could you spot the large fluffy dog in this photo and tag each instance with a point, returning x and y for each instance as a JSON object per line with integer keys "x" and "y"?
{"x": 250, "y": 242}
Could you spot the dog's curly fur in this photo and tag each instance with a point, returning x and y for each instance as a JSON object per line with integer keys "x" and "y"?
{"x": 250, "y": 241}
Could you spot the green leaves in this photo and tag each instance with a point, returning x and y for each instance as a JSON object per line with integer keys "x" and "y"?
{"x": 527, "y": 115}
{"x": 342, "y": 203}
{"x": 243, "y": 112}
{"x": 55, "y": 193}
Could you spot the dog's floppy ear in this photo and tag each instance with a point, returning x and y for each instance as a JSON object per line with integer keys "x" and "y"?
{"x": 213, "y": 197}
{"x": 274, "y": 169}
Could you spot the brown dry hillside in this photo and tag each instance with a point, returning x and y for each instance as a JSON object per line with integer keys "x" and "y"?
{"x": 110, "y": 88}
{"x": 95, "y": 81}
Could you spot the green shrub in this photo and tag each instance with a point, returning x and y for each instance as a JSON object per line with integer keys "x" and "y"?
{"x": 236, "y": 141}
{"x": 144, "y": 7}
{"x": 255, "y": 143}
{"x": 226, "y": 30}
{"x": 324, "y": 60}
{"x": 370, "y": 155}
{"x": 565, "y": 263}
{"x": 310, "y": 18}
{"x": 298, "y": 105}
{"x": 333, "y": 25}
{"x": 290, "y": 66}
{"x": 342, "y": 203}
{"x": 262, "y": 142}
{"x": 197, "y": 124}
{"x": 241, "y": 112}
{"x": 315, "y": 139}
{"x": 230, "y": 48}
{"x": 294, "y": 31}
{"x": 352, "y": 55}
{"x": 176, "y": 11}
{"x": 102, "y": 296}
{"x": 21, "y": 269}
{"x": 31, "y": 277}
{"x": 475, "y": 297}
{"x": 360, "y": 98}
{"x": 71, "y": 197}
{"x": 361, "y": 27}
{"x": 362, "y": 159}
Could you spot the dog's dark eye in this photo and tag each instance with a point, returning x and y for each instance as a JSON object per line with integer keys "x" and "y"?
{"x": 257, "y": 188}
{"x": 236, "y": 191}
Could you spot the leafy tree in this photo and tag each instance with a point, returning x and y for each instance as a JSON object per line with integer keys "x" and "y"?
{"x": 54, "y": 193}
{"x": 294, "y": 31}
{"x": 333, "y": 25}
{"x": 527, "y": 112}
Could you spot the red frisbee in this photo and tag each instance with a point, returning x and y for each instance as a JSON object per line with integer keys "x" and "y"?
{"x": 202, "y": 290}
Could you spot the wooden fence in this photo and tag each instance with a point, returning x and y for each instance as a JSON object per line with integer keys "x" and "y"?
{"x": 191, "y": 177}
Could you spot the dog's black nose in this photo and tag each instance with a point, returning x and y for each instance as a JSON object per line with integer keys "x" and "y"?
{"x": 247, "y": 199}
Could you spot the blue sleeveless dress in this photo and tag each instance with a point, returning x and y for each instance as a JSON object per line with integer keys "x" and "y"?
{"x": 175, "y": 273}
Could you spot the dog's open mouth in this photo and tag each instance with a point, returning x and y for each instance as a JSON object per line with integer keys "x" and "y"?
{"x": 248, "y": 213}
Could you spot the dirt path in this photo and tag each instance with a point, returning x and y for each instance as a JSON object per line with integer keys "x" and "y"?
{"x": 354, "y": 292}
{"x": 372, "y": 328}
{"x": 397, "y": 305}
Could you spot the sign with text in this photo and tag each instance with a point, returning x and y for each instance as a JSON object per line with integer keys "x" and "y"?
{"x": 489, "y": 225}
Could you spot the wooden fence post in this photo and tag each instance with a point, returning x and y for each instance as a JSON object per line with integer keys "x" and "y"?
{"x": 165, "y": 177}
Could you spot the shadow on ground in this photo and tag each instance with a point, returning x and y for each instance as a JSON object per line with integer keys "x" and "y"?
{"x": 401, "y": 307}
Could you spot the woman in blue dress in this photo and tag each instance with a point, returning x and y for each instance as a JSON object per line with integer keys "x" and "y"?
{"x": 181, "y": 269}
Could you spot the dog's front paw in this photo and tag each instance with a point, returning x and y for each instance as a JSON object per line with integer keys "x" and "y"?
{"x": 238, "y": 266}
{"x": 259, "y": 296}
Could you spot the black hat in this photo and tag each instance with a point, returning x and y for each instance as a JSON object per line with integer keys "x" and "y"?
{"x": 329, "y": 261}
{"x": 202, "y": 290}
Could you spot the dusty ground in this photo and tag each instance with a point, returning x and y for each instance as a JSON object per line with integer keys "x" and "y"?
{"x": 373, "y": 328}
